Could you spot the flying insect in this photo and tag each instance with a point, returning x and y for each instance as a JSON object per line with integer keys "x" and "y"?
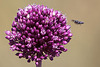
{"x": 78, "y": 22}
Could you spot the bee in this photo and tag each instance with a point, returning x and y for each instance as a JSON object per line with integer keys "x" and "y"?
{"x": 78, "y": 22}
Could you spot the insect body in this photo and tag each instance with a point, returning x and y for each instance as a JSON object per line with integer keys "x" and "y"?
{"x": 78, "y": 22}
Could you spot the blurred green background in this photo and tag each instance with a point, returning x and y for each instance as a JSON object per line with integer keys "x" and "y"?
{"x": 83, "y": 49}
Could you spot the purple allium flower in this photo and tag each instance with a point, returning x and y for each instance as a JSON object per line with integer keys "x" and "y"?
{"x": 39, "y": 32}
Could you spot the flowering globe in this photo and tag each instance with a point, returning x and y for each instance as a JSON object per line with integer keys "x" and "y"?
{"x": 38, "y": 32}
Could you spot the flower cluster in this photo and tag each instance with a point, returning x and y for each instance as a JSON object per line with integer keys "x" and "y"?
{"x": 38, "y": 32}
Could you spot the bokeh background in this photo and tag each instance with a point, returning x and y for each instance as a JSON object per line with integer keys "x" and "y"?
{"x": 83, "y": 49}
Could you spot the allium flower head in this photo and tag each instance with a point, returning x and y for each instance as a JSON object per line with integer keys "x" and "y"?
{"x": 38, "y": 32}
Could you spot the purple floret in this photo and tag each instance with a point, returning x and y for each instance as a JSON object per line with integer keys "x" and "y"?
{"x": 38, "y": 33}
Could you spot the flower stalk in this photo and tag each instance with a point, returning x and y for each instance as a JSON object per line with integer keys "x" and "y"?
{"x": 39, "y": 64}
